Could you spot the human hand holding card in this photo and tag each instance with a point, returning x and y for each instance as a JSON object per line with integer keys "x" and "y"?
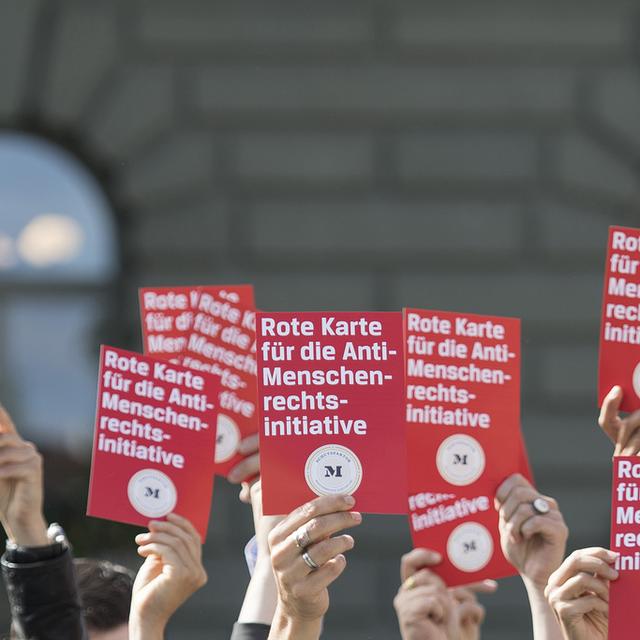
{"x": 463, "y": 427}
{"x": 620, "y": 324}
{"x": 154, "y": 440}
{"x": 167, "y": 314}
{"x": 223, "y": 343}
{"x": 625, "y": 541}
{"x": 330, "y": 396}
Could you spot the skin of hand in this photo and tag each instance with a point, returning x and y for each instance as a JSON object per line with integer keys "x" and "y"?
{"x": 578, "y": 593}
{"x": 248, "y": 468}
{"x": 21, "y": 488}
{"x": 302, "y": 592}
{"x": 467, "y": 616}
{"x": 471, "y": 613}
{"x": 534, "y": 543}
{"x": 624, "y": 432}
{"x": 426, "y": 609}
{"x": 171, "y": 573}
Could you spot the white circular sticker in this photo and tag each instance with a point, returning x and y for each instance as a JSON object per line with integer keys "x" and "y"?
{"x": 460, "y": 460}
{"x": 470, "y": 547}
{"x": 333, "y": 469}
{"x": 636, "y": 379}
{"x": 152, "y": 493}
{"x": 227, "y": 438}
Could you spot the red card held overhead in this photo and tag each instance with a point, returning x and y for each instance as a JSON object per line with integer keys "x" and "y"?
{"x": 625, "y": 539}
{"x": 223, "y": 343}
{"x": 167, "y": 315}
{"x": 462, "y": 413}
{"x": 620, "y": 326}
{"x": 154, "y": 441}
{"x": 330, "y": 398}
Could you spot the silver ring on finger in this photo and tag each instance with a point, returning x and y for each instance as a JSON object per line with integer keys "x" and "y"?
{"x": 310, "y": 562}
{"x": 302, "y": 538}
{"x": 541, "y": 506}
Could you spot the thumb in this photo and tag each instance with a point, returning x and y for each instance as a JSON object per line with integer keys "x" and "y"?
{"x": 6, "y": 423}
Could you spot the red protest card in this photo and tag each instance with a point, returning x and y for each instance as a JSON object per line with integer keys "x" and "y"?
{"x": 223, "y": 343}
{"x": 154, "y": 441}
{"x": 625, "y": 539}
{"x": 463, "y": 429}
{"x": 167, "y": 315}
{"x": 620, "y": 325}
{"x": 330, "y": 398}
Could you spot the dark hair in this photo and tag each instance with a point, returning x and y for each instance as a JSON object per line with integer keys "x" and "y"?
{"x": 105, "y": 592}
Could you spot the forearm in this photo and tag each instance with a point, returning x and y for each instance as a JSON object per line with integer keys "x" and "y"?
{"x": 43, "y": 595}
{"x": 261, "y": 598}
{"x": 30, "y": 531}
{"x": 545, "y": 624}
{"x": 141, "y": 629}
{"x": 285, "y": 627}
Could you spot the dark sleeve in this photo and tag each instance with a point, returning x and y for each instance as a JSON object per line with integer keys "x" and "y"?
{"x": 250, "y": 631}
{"x": 44, "y": 598}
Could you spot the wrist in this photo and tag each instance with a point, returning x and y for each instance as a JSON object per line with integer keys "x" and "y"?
{"x": 145, "y": 627}
{"x": 28, "y": 532}
{"x": 263, "y": 567}
{"x": 289, "y": 627}
{"x": 534, "y": 586}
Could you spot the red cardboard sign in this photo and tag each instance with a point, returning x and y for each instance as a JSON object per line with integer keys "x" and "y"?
{"x": 223, "y": 343}
{"x": 330, "y": 396}
{"x": 464, "y": 439}
{"x": 167, "y": 315}
{"x": 625, "y": 539}
{"x": 154, "y": 441}
{"x": 620, "y": 326}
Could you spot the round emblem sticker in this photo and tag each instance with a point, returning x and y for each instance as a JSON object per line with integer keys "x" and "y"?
{"x": 227, "y": 438}
{"x": 333, "y": 469}
{"x": 460, "y": 459}
{"x": 152, "y": 493}
{"x": 470, "y": 547}
{"x": 636, "y": 380}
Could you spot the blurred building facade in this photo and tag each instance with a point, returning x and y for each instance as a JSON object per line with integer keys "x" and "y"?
{"x": 362, "y": 155}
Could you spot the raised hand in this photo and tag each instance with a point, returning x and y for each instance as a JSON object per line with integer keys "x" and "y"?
{"x": 624, "y": 432}
{"x": 21, "y": 491}
{"x": 172, "y": 571}
{"x": 578, "y": 592}
{"x": 426, "y": 609}
{"x": 247, "y": 469}
{"x": 306, "y": 560}
{"x": 533, "y": 534}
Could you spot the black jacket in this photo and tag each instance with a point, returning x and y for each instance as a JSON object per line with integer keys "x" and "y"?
{"x": 250, "y": 631}
{"x": 43, "y": 595}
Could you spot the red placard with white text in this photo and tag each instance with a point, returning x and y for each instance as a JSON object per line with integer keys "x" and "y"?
{"x": 462, "y": 412}
{"x": 620, "y": 325}
{"x": 223, "y": 343}
{"x": 154, "y": 441}
{"x": 625, "y": 539}
{"x": 330, "y": 391}
{"x": 167, "y": 315}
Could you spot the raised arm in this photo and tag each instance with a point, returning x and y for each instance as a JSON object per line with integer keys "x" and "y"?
{"x": 578, "y": 592}
{"x": 37, "y": 571}
{"x": 533, "y": 536}
{"x": 171, "y": 573}
{"x": 306, "y": 560}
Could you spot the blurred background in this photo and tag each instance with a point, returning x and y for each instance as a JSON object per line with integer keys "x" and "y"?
{"x": 338, "y": 155}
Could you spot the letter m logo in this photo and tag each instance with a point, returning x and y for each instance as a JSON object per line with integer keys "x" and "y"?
{"x": 335, "y": 472}
{"x": 149, "y": 492}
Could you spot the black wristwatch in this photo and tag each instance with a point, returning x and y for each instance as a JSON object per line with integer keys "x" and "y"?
{"x": 58, "y": 544}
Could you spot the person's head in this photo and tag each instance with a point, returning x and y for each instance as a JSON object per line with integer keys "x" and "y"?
{"x": 105, "y": 592}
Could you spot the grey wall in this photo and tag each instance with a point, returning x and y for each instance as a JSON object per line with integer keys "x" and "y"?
{"x": 361, "y": 155}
